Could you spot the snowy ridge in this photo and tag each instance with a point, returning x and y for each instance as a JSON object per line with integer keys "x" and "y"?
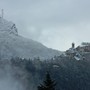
{"x": 7, "y": 27}
{"x": 14, "y": 45}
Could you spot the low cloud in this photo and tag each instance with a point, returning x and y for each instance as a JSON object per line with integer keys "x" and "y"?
{"x": 7, "y": 81}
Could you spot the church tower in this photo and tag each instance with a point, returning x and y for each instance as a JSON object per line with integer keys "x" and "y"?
{"x": 73, "y": 45}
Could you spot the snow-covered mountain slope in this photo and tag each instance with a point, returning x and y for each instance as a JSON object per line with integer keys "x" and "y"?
{"x": 14, "y": 45}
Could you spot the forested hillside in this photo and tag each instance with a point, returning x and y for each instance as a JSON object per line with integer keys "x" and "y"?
{"x": 69, "y": 74}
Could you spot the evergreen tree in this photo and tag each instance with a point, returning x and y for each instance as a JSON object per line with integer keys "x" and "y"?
{"x": 48, "y": 83}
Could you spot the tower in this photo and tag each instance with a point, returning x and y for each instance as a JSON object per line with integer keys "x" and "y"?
{"x": 2, "y": 11}
{"x": 73, "y": 45}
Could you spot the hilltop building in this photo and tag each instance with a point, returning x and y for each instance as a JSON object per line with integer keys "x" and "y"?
{"x": 73, "y": 53}
{"x": 84, "y": 47}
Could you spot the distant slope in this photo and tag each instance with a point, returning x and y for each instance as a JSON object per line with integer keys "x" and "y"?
{"x": 14, "y": 45}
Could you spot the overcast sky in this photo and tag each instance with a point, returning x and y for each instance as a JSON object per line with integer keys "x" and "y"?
{"x": 55, "y": 23}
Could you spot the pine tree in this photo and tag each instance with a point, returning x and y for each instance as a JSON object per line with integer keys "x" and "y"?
{"x": 48, "y": 83}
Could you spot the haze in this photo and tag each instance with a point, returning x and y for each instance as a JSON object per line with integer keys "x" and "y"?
{"x": 55, "y": 23}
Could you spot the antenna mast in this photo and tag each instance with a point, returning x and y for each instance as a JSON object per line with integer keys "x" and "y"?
{"x": 2, "y": 13}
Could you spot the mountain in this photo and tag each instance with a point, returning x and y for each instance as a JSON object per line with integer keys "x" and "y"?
{"x": 14, "y": 45}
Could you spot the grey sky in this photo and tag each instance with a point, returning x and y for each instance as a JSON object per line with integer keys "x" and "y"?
{"x": 55, "y": 23}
